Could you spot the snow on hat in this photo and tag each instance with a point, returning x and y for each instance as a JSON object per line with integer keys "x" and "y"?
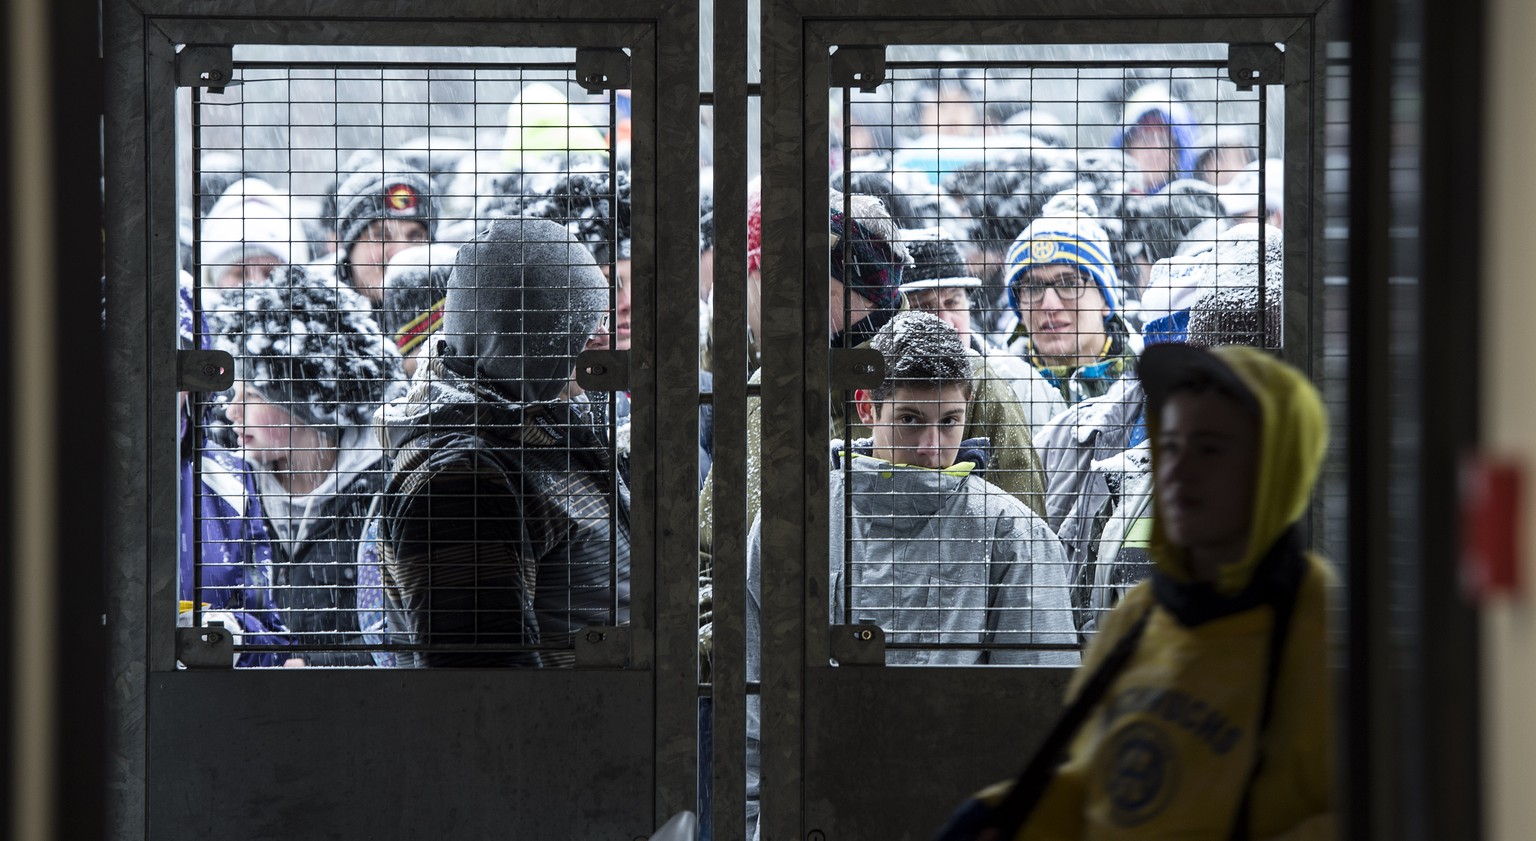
{"x": 386, "y": 189}
{"x": 415, "y": 288}
{"x": 252, "y": 218}
{"x": 1240, "y": 196}
{"x": 878, "y": 258}
{"x": 523, "y": 298}
{"x": 1177, "y": 283}
{"x": 308, "y": 347}
{"x": 936, "y": 262}
{"x": 596, "y": 212}
{"x": 542, "y": 126}
{"x": 1065, "y": 233}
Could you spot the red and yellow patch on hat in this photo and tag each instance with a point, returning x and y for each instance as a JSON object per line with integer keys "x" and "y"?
{"x": 401, "y": 198}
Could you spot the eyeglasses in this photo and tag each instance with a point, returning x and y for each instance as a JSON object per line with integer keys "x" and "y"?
{"x": 1068, "y": 288}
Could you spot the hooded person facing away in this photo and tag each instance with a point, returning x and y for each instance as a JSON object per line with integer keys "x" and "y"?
{"x": 1202, "y": 710}
{"x": 496, "y": 525}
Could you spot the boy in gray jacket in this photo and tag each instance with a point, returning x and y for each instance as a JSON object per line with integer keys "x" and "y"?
{"x": 937, "y": 555}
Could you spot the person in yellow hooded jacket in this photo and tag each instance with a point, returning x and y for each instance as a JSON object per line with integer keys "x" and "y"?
{"x": 1203, "y": 706}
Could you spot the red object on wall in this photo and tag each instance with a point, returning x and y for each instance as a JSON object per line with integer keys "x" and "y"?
{"x": 1491, "y": 491}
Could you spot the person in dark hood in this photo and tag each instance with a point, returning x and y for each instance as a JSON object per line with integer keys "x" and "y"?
{"x": 497, "y": 525}
{"x": 311, "y": 370}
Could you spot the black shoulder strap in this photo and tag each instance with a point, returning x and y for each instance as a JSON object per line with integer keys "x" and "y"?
{"x": 1009, "y": 816}
{"x": 1284, "y": 604}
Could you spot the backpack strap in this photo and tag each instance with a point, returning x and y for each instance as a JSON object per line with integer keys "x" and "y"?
{"x": 1010, "y": 814}
{"x": 1284, "y": 605}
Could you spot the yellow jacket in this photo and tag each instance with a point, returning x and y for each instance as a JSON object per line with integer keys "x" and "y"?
{"x": 1168, "y": 751}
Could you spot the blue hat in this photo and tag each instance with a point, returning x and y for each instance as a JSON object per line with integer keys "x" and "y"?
{"x": 1065, "y": 233}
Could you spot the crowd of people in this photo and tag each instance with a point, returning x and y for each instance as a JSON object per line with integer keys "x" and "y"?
{"x": 407, "y": 471}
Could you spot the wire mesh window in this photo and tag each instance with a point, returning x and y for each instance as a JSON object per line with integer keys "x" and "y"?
{"x": 1055, "y": 210}
{"x": 405, "y": 255}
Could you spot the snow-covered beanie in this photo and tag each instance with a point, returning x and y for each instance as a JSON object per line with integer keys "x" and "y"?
{"x": 1153, "y": 104}
{"x": 876, "y": 257}
{"x": 596, "y": 212}
{"x": 1232, "y": 262}
{"x": 387, "y": 189}
{"x": 415, "y": 289}
{"x": 522, "y": 301}
{"x": 1066, "y": 233}
{"x": 252, "y": 218}
{"x": 936, "y": 262}
{"x": 308, "y": 347}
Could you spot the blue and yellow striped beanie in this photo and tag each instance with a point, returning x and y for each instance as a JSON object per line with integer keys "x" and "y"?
{"x": 1065, "y": 233}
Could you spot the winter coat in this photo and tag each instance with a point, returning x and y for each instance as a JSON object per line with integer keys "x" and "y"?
{"x": 945, "y": 556}
{"x": 498, "y": 521}
{"x": 1168, "y": 751}
{"x": 1077, "y": 449}
{"x": 1120, "y": 558}
{"x": 317, "y": 536}
{"x": 993, "y": 413}
{"x": 236, "y": 551}
{"x": 1040, "y": 399}
{"x": 937, "y": 556}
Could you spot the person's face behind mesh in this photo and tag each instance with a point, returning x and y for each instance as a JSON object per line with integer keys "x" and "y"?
{"x": 1204, "y": 474}
{"x": 952, "y": 306}
{"x": 379, "y": 242}
{"x": 920, "y": 425}
{"x": 1065, "y": 313}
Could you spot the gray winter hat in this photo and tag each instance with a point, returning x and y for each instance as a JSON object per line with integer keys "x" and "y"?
{"x": 387, "y": 189}
{"x": 522, "y": 301}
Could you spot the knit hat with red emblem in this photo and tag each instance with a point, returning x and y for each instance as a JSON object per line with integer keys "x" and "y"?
{"x": 388, "y": 189}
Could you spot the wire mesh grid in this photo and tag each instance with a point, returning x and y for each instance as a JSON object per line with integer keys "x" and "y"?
{"x": 1055, "y": 217}
{"x": 404, "y": 260}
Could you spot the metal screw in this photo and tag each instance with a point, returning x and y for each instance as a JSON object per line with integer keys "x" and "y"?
{"x": 210, "y": 370}
{"x": 815, "y": 835}
{"x": 214, "y": 75}
{"x": 595, "y": 636}
{"x": 866, "y": 635}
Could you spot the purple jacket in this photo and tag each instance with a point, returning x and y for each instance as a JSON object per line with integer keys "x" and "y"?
{"x": 236, "y": 549}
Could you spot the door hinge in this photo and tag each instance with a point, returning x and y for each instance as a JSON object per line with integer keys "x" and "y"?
{"x": 210, "y": 66}
{"x": 1255, "y": 64}
{"x": 602, "y": 69}
{"x": 204, "y": 370}
{"x": 858, "y": 645}
{"x": 858, "y": 67}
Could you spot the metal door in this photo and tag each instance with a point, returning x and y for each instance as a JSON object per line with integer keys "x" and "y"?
{"x": 602, "y": 748}
{"x": 876, "y": 751}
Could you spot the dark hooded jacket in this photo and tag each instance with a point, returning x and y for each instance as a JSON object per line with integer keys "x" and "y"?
{"x": 498, "y": 524}
{"x": 504, "y": 528}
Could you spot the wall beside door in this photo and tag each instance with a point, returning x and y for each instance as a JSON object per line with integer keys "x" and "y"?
{"x": 1509, "y": 299}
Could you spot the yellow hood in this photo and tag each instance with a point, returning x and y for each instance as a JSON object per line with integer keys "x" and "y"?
{"x": 1293, "y": 442}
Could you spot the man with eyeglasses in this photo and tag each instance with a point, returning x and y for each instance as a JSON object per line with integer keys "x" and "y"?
{"x": 1062, "y": 285}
